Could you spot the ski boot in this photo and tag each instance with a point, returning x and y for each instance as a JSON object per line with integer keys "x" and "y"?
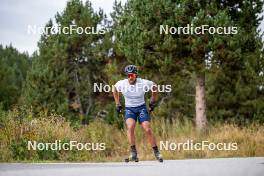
{"x": 158, "y": 156}
{"x": 132, "y": 157}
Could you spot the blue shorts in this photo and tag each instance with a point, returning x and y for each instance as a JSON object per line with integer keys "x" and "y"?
{"x": 139, "y": 113}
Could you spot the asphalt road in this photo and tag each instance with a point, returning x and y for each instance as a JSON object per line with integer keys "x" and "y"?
{"x": 194, "y": 167}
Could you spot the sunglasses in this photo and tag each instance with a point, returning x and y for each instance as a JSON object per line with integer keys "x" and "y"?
{"x": 131, "y": 75}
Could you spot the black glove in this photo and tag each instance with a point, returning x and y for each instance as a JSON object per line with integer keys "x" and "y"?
{"x": 151, "y": 106}
{"x": 118, "y": 108}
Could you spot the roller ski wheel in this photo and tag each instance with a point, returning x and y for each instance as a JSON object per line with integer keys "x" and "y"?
{"x": 132, "y": 158}
{"x": 160, "y": 160}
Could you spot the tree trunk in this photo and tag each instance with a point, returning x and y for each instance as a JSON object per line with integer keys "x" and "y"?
{"x": 78, "y": 95}
{"x": 200, "y": 104}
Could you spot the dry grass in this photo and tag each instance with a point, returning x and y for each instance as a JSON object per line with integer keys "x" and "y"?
{"x": 15, "y": 134}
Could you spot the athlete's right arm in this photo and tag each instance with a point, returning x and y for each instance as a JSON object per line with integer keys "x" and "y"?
{"x": 117, "y": 100}
{"x": 116, "y": 95}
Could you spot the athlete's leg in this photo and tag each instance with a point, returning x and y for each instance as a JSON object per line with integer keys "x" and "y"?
{"x": 146, "y": 126}
{"x": 131, "y": 119}
{"x": 131, "y": 124}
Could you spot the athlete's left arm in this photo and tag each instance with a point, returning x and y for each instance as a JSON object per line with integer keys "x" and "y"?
{"x": 154, "y": 93}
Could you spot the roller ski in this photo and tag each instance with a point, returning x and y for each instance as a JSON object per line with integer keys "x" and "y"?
{"x": 133, "y": 155}
{"x": 135, "y": 159}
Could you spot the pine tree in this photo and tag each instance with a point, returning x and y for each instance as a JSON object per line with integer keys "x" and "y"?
{"x": 13, "y": 70}
{"x": 62, "y": 76}
{"x": 140, "y": 40}
{"x": 236, "y": 74}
